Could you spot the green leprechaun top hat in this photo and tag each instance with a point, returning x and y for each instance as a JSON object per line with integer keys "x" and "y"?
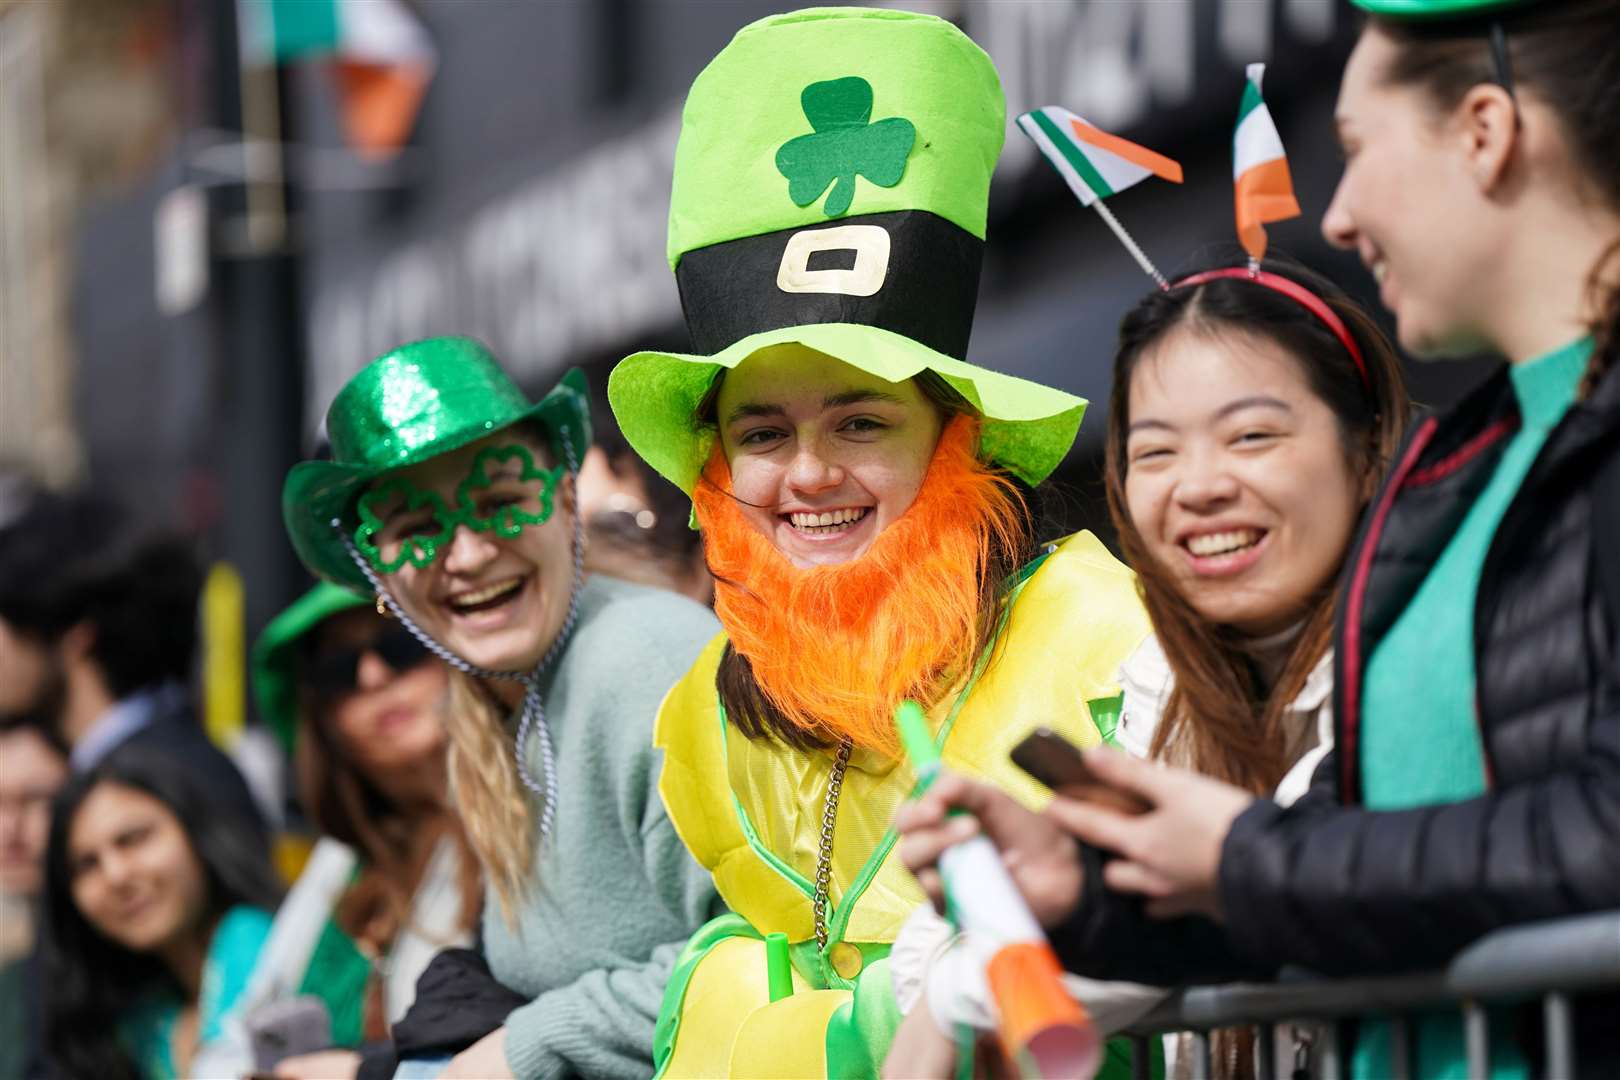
{"x": 407, "y": 406}
{"x": 831, "y": 185}
{"x": 275, "y": 655}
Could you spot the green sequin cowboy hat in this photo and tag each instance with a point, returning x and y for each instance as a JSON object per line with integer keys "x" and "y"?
{"x": 831, "y": 185}
{"x": 274, "y": 661}
{"x": 407, "y": 406}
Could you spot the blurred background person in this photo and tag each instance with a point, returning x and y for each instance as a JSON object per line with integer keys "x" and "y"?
{"x": 99, "y": 620}
{"x": 636, "y": 523}
{"x": 33, "y": 765}
{"x": 156, "y": 908}
{"x": 358, "y": 704}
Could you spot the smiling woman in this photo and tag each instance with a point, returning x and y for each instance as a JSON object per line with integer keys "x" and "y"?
{"x": 1244, "y": 439}
{"x": 1252, "y": 414}
{"x": 823, "y": 456}
{"x": 452, "y": 498}
{"x": 859, "y": 486}
{"x": 479, "y": 545}
{"x": 1251, "y": 419}
{"x": 157, "y": 908}
{"x": 816, "y": 461}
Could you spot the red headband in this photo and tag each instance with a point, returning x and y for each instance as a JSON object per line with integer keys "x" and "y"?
{"x": 1296, "y": 292}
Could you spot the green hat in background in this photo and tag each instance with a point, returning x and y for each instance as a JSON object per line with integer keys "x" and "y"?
{"x": 1437, "y": 10}
{"x": 1492, "y": 18}
{"x": 409, "y": 405}
{"x": 275, "y": 655}
{"x": 831, "y": 185}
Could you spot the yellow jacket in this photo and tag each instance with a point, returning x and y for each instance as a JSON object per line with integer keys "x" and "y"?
{"x": 751, "y": 810}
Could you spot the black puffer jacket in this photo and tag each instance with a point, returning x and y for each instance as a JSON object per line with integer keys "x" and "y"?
{"x": 1339, "y": 889}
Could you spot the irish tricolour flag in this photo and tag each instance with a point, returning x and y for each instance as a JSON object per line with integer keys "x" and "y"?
{"x": 383, "y": 59}
{"x": 1265, "y": 191}
{"x": 1095, "y": 163}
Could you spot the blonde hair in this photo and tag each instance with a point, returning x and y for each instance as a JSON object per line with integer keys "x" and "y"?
{"x": 484, "y": 785}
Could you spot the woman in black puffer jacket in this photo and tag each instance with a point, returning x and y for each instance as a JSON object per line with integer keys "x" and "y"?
{"x": 1476, "y": 780}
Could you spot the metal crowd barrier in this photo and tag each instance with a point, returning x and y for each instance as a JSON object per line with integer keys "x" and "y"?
{"x": 1553, "y": 960}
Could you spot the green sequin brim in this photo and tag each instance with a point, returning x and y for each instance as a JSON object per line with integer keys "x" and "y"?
{"x": 1028, "y": 428}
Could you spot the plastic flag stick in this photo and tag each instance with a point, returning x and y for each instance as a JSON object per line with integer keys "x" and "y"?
{"x": 1044, "y": 1031}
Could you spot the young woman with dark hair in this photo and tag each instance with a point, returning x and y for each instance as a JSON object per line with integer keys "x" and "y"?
{"x": 1244, "y": 441}
{"x": 157, "y": 906}
{"x": 1476, "y": 783}
{"x": 1251, "y": 418}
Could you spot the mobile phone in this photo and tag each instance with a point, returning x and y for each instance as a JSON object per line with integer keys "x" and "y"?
{"x": 288, "y": 1028}
{"x": 1058, "y": 763}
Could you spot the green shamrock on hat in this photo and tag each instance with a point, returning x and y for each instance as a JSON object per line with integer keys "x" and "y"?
{"x": 845, "y": 143}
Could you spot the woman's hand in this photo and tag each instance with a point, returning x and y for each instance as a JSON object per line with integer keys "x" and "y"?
{"x": 1171, "y": 853}
{"x": 322, "y": 1065}
{"x": 483, "y": 1060}
{"x": 1044, "y": 862}
{"x": 920, "y": 1050}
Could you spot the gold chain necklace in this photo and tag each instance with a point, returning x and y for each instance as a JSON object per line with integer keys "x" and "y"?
{"x": 829, "y": 817}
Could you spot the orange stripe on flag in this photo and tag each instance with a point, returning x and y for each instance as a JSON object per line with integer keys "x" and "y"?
{"x": 1264, "y": 193}
{"x": 380, "y": 102}
{"x": 1141, "y": 156}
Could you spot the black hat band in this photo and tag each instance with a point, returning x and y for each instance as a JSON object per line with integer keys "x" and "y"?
{"x": 909, "y": 271}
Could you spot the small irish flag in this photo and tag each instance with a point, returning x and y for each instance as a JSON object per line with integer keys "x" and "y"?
{"x": 383, "y": 59}
{"x": 1265, "y": 191}
{"x": 1095, "y": 163}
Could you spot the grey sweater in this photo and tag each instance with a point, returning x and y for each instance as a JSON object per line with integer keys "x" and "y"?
{"x": 614, "y": 893}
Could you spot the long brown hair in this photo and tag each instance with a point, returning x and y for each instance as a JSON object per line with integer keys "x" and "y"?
{"x": 1221, "y": 718}
{"x": 394, "y": 846}
{"x": 1567, "y": 55}
{"x": 748, "y": 706}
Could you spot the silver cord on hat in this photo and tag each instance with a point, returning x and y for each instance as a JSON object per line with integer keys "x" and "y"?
{"x": 533, "y": 714}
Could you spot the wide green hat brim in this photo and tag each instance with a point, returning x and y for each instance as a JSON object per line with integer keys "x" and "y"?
{"x": 316, "y": 492}
{"x": 1027, "y": 428}
{"x": 274, "y": 661}
{"x": 1435, "y": 10}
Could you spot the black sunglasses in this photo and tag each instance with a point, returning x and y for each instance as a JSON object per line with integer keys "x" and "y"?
{"x": 332, "y": 672}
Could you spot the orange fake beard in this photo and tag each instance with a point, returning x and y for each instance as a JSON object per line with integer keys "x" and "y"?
{"x": 836, "y": 648}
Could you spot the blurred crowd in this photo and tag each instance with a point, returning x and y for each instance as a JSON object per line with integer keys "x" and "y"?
{"x": 162, "y": 860}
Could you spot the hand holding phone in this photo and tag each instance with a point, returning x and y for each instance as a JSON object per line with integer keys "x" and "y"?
{"x": 288, "y": 1028}
{"x": 1058, "y": 763}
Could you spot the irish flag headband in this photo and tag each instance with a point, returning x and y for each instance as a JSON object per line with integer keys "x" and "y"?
{"x": 1264, "y": 192}
{"x": 1295, "y": 292}
{"x": 1096, "y": 165}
